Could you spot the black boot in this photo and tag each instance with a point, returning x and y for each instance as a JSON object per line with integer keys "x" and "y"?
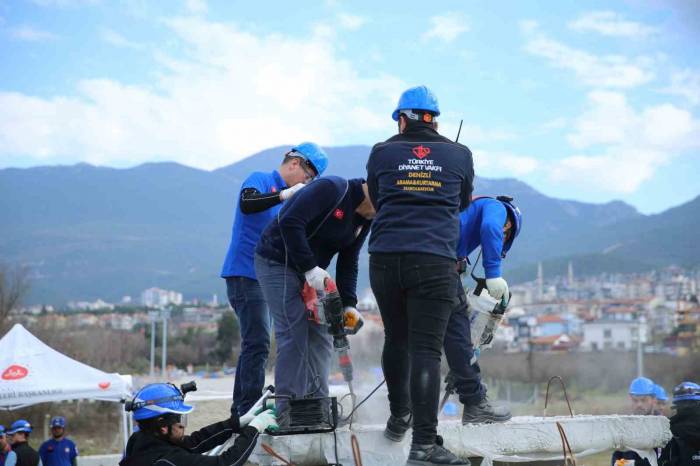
{"x": 396, "y": 427}
{"x": 484, "y": 413}
{"x": 429, "y": 455}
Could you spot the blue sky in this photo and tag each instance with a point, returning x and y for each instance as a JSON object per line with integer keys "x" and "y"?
{"x": 591, "y": 100}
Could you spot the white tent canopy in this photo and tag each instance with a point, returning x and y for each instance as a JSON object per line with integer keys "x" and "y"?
{"x": 32, "y": 372}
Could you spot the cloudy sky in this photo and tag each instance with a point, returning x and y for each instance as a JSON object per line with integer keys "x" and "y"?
{"x": 583, "y": 100}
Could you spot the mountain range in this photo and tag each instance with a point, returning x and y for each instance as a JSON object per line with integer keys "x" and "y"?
{"x": 87, "y": 232}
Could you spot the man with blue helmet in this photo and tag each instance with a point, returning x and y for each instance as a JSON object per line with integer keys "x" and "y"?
{"x": 19, "y": 438}
{"x": 493, "y": 224}
{"x": 259, "y": 201}
{"x": 7, "y": 456}
{"x": 642, "y": 395}
{"x": 661, "y": 400}
{"x": 160, "y": 411}
{"x": 684, "y": 447}
{"x": 418, "y": 181}
{"x": 330, "y": 218}
{"x": 58, "y": 450}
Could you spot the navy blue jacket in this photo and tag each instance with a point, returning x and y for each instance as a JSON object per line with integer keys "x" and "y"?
{"x": 317, "y": 223}
{"x": 418, "y": 182}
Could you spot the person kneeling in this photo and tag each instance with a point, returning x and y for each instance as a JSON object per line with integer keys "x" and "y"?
{"x": 160, "y": 412}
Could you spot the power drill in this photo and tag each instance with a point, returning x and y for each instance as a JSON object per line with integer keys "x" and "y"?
{"x": 326, "y": 308}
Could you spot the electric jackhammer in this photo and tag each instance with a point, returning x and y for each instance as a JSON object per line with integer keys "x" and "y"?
{"x": 326, "y": 308}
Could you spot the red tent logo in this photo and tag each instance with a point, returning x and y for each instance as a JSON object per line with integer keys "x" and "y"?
{"x": 15, "y": 372}
{"x": 104, "y": 385}
{"x": 421, "y": 152}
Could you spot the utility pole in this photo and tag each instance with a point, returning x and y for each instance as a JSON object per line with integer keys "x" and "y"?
{"x": 153, "y": 315}
{"x": 165, "y": 314}
{"x": 641, "y": 324}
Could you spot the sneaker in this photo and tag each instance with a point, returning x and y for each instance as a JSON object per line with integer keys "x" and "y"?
{"x": 396, "y": 427}
{"x": 428, "y": 455}
{"x": 484, "y": 413}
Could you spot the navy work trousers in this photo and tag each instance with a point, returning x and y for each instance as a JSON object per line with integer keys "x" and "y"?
{"x": 459, "y": 351}
{"x": 246, "y": 299}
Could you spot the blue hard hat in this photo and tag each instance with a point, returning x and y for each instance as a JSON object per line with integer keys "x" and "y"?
{"x": 2, "y": 429}
{"x": 20, "y": 425}
{"x": 660, "y": 393}
{"x": 157, "y": 399}
{"x": 686, "y": 391}
{"x": 516, "y": 218}
{"x": 58, "y": 421}
{"x": 313, "y": 154}
{"x": 417, "y": 98}
{"x": 642, "y": 386}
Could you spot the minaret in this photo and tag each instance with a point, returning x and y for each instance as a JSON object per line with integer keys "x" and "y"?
{"x": 571, "y": 274}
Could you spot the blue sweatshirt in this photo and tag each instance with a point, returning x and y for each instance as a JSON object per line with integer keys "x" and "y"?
{"x": 58, "y": 452}
{"x": 317, "y": 223}
{"x": 482, "y": 225}
{"x": 248, "y": 227}
{"x": 418, "y": 182}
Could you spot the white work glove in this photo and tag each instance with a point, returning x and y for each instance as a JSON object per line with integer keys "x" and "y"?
{"x": 265, "y": 420}
{"x": 255, "y": 410}
{"x": 289, "y": 192}
{"x": 316, "y": 278}
{"x": 498, "y": 288}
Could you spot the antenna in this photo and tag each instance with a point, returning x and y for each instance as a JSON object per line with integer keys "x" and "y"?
{"x": 459, "y": 130}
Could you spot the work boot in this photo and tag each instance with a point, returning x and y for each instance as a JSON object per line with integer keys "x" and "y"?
{"x": 485, "y": 413}
{"x": 396, "y": 427}
{"x": 428, "y": 455}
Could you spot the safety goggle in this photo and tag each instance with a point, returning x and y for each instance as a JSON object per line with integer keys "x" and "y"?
{"x": 425, "y": 117}
{"x": 306, "y": 165}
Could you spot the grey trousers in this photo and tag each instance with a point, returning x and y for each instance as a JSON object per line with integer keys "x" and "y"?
{"x": 304, "y": 347}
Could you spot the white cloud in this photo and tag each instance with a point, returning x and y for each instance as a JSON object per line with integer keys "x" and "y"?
{"x": 686, "y": 84}
{"x": 614, "y": 71}
{"x": 351, "y": 22}
{"x": 234, "y": 94}
{"x": 619, "y": 147}
{"x": 116, "y": 39}
{"x": 196, "y": 6}
{"x": 446, "y": 27}
{"x": 501, "y": 164}
{"x": 65, "y": 3}
{"x": 610, "y": 23}
{"x": 31, "y": 34}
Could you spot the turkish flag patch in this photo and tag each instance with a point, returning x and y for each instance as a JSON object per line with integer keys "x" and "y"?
{"x": 339, "y": 214}
{"x": 421, "y": 151}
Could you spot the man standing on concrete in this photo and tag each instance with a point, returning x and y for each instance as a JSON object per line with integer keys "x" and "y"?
{"x": 492, "y": 224}
{"x": 418, "y": 181}
{"x": 331, "y": 217}
{"x": 58, "y": 450}
{"x": 259, "y": 201}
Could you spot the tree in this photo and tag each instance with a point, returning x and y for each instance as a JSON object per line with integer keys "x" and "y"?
{"x": 14, "y": 285}
{"x": 226, "y": 337}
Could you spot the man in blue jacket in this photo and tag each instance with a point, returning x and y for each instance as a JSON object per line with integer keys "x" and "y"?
{"x": 493, "y": 224}
{"x": 330, "y": 216}
{"x": 418, "y": 181}
{"x": 259, "y": 201}
{"x": 58, "y": 450}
